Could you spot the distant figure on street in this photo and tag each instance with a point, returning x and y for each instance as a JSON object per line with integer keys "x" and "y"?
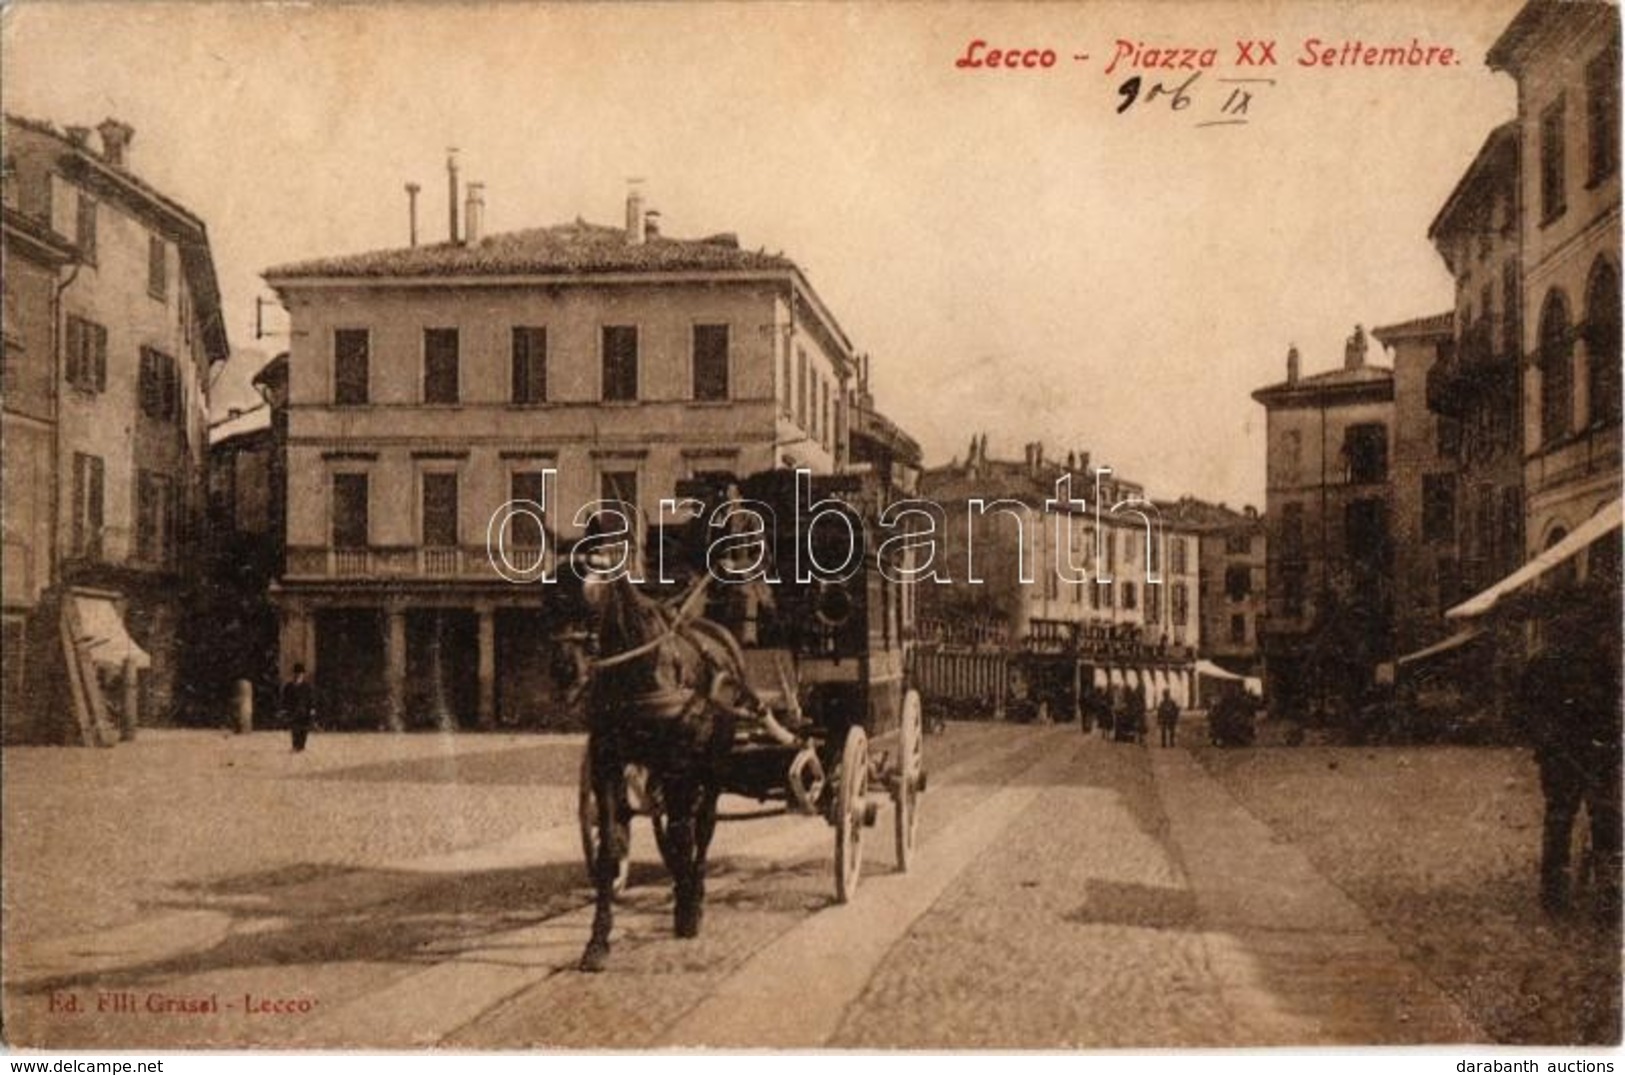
{"x": 1168, "y": 719}
{"x": 1570, "y": 708}
{"x": 298, "y": 706}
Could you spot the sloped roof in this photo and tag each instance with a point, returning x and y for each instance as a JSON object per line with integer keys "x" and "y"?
{"x": 1441, "y": 324}
{"x": 1495, "y": 163}
{"x": 1344, "y": 381}
{"x": 563, "y": 249}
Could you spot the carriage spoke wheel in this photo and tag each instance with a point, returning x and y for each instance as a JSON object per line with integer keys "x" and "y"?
{"x": 588, "y": 813}
{"x": 910, "y": 767}
{"x": 850, "y": 809}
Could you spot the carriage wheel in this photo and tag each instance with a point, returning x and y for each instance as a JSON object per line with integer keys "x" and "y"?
{"x": 910, "y": 768}
{"x": 850, "y": 811}
{"x": 588, "y": 813}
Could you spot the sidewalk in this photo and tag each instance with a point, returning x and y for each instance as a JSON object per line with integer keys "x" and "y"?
{"x": 1296, "y": 957}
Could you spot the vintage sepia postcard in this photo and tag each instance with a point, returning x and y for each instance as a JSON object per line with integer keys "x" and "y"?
{"x": 942, "y": 527}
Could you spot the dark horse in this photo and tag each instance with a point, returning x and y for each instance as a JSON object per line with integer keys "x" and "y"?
{"x": 665, "y": 692}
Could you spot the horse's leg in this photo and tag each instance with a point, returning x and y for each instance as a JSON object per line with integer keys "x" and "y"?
{"x": 705, "y": 827}
{"x": 682, "y": 801}
{"x": 607, "y": 777}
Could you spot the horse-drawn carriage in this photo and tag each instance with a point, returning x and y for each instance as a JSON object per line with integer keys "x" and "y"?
{"x": 774, "y": 669}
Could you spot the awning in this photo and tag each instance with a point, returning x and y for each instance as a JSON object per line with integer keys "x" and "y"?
{"x": 102, "y": 634}
{"x": 1208, "y": 668}
{"x": 1455, "y": 641}
{"x": 1604, "y": 522}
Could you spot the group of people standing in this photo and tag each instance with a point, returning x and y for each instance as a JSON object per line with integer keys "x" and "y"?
{"x": 1119, "y": 713}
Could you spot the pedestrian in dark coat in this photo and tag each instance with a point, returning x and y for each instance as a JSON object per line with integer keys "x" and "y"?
{"x": 1570, "y": 702}
{"x": 1168, "y": 719}
{"x": 298, "y": 706}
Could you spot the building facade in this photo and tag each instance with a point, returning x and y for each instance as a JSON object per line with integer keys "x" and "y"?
{"x": 1426, "y": 572}
{"x": 120, "y": 392}
{"x": 1231, "y": 582}
{"x": 1030, "y": 568}
{"x": 1477, "y": 389}
{"x": 1329, "y": 508}
{"x": 1565, "y": 58}
{"x": 560, "y": 366}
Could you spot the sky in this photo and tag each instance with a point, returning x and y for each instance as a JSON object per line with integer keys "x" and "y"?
{"x": 1018, "y": 257}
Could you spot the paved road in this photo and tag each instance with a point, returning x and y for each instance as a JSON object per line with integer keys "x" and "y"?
{"x": 427, "y": 891}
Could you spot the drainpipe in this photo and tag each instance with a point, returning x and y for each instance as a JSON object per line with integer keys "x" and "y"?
{"x": 56, "y": 421}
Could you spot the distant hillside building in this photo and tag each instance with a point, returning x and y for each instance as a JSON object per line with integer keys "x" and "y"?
{"x": 430, "y": 385}
{"x": 1329, "y": 512}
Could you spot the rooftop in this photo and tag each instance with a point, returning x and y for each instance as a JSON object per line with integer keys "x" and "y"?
{"x": 564, "y": 249}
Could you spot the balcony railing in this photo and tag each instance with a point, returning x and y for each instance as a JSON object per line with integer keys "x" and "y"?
{"x": 414, "y": 562}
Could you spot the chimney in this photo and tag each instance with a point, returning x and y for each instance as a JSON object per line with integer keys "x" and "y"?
{"x": 1354, "y": 350}
{"x": 412, "y": 211}
{"x": 78, "y": 136}
{"x": 451, "y": 192}
{"x": 1083, "y": 462}
{"x": 634, "y": 212}
{"x": 116, "y": 139}
{"x": 651, "y": 224}
{"x": 1293, "y": 364}
{"x": 474, "y": 215}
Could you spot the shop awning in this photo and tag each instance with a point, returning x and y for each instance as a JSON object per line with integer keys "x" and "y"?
{"x": 1208, "y": 668}
{"x": 1454, "y": 642}
{"x": 102, "y": 634}
{"x": 1604, "y": 522}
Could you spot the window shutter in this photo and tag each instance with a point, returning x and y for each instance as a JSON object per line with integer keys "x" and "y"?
{"x": 81, "y": 483}
{"x": 95, "y": 506}
{"x": 101, "y": 358}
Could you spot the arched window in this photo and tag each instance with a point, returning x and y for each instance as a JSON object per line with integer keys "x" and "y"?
{"x": 1602, "y": 343}
{"x": 1556, "y": 370}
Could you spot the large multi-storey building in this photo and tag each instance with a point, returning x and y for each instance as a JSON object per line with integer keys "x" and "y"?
{"x": 105, "y": 415}
{"x": 1060, "y": 560}
{"x": 1423, "y": 463}
{"x": 1565, "y": 58}
{"x": 1476, "y": 503}
{"x": 1329, "y": 495}
{"x": 428, "y": 386}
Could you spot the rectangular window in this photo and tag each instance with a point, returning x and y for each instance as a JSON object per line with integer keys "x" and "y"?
{"x": 1131, "y": 596}
{"x": 1153, "y": 603}
{"x": 86, "y": 355}
{"x": 528, "y": 531}
{"x": 1238, "y": 582}
{"x": 160, "y": 388}
{"x": 710, "y": 362}
{"x": 1177, "y": 556}
{"x": 619, "y": 485}
{"x": 1292, "y": 532}
{"x": 1365, "y": 533}
{"x": 351, "y": 359}
{"x": 1438, "y": 507}
{"x": 529, "y": 364}
{"x": 350, "y": 530}
{"x": 801, "y": 387}
{"x": 1602, "y": 116}
{"x": 440, "y": 365}
{"x": 155, "y": 514}
{"x": 1365, "y": 453}
{"x": 1238, "y": 629}
{"x": 87, "y": 505}
{"x": 788, "y": 389}
{"x": 1552, "y": 195}
{"x": 1238, "y": 543}
{"x": 1181, "y": 600}
{"x": 1511, "y": 322}
{"x": 620, "y": 360}
{"x": 440, "y": 509}
{"x": 157, "y": 268}
{"x": 826, "y": 434}
{"x": 85, "y": 229}
{"x": 1292, "y": 590}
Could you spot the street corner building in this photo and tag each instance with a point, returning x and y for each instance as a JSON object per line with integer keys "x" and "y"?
{"x": 112, "y": 324}
{"x": 428, "y": 386}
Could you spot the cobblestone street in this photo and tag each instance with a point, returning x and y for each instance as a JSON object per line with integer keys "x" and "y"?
{"x": 428, "y": 890}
